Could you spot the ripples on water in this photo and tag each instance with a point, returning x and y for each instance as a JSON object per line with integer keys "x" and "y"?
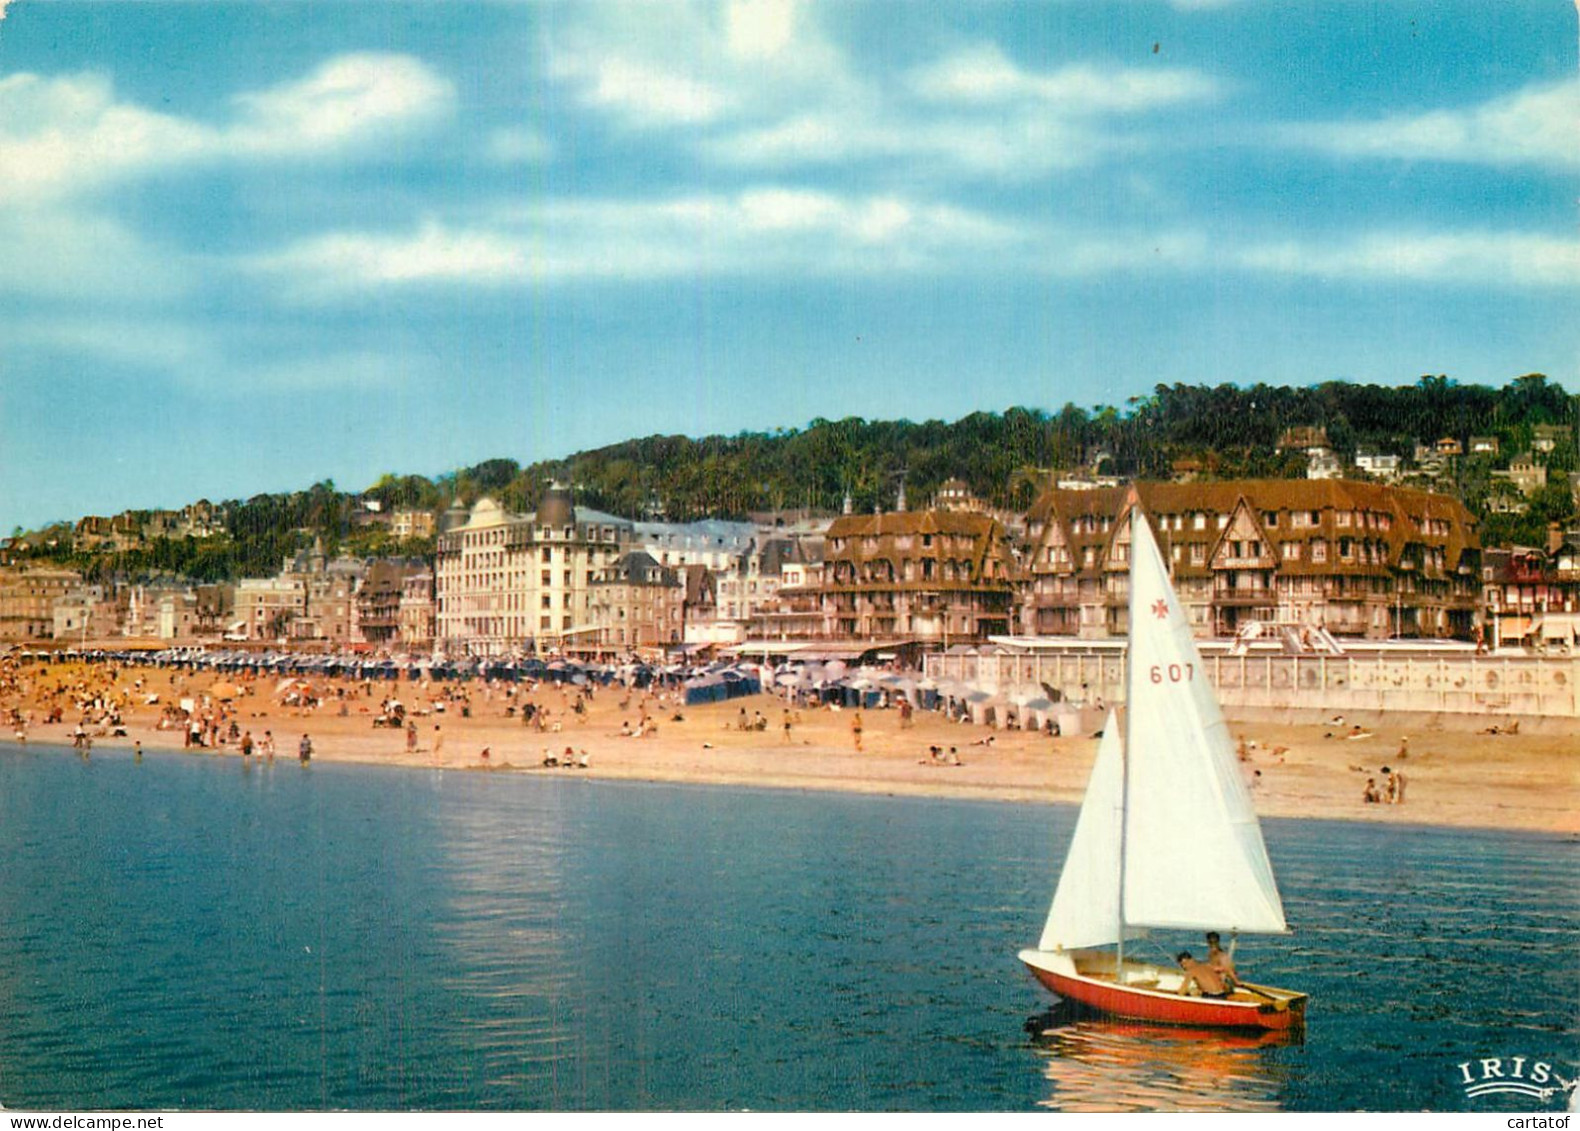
{"x": 186, "y": 933}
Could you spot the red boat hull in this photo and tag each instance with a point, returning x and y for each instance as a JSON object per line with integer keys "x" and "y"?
{"x": 1242, "y": 1012}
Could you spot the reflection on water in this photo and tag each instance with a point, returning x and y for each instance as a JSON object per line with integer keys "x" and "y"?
{"x": 1096, "y": 1064}
{"x": 507, "y": 934}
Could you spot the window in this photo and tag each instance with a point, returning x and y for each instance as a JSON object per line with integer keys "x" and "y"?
{"x": 1319, "y": 551}
{"x": 1198, "y": 553}
{"x": 548, "y": 601}
{"x": 546, "y": 577}
{"x": 1291, "y": 551}
{"x": 1199, "y": 521}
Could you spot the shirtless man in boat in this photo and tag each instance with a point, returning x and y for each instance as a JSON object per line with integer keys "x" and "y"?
{"x": 1206, "y": 978}
{"x": 1220, "y": 960}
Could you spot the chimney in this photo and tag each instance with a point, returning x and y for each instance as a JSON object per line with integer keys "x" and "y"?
{"x": 899, "y": 504}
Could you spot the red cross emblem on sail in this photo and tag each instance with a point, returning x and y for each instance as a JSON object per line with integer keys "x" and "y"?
{"x": 1160, "y": 609}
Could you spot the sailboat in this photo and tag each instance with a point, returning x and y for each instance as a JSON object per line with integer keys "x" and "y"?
{"x": 1166, "y": 839}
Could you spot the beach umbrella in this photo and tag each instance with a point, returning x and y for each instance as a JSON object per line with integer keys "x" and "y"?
{"x": 225, "y": 691}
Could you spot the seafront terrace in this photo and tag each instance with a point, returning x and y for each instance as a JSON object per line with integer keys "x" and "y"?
{"x": 1374, "y": 679}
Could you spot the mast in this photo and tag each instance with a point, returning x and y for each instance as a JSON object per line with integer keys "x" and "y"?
{"x": 1124, "y": 752}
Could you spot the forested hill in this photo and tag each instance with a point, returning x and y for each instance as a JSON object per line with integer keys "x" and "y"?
{"x": 1004, "y": 457}
{"x": 1226, "y": 432}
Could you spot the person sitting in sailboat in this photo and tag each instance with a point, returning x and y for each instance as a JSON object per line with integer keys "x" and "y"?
{"x": 1208, "y": 980}
{"x": 1220, "y": 960}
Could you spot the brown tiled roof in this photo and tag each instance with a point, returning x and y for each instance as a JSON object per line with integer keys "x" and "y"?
{"x": 985, "y": 532}
{"x": 1407, "y": 509}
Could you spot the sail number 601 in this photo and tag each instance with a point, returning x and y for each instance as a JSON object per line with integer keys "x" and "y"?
{"x": 1174, "y": 673}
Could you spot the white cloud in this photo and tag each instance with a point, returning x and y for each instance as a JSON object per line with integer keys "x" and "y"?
{"x": 985, "y": 75}
{"x": 1014, "y": 146}
{"x": 757, "y": 85}
{"x": 431, "y": 254}
{"x": 66, "y": 136}
{"x": 646, "y": 94}
{"x": 348, "y": 99}
{"x": 767, "y": 230}
{"x": 1539, "y": 125}
{"x": 649, "y": 66}
{"x": 759, "y": 29}
{"x": 1474, "y": 259}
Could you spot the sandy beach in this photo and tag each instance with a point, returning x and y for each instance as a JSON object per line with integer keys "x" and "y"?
{"x": 1454, "y": 775}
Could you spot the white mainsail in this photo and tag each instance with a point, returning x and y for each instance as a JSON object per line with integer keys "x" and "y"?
{"x": 1194, "y": 856}
{"x": 1085, "y": 909}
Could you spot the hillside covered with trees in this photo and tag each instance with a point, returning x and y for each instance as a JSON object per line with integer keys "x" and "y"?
{"x": 1224, "y": 432}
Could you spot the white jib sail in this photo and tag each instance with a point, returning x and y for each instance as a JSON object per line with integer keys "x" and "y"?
{"x": 1085, "y": 909}
{"x": 1194, "y": 856}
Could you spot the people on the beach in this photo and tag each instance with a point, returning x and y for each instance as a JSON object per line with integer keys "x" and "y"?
{"x": 855, "y": 730}
{"x": 304, "y": 750}
{"x": 1204, "y": 977}
{"x": 1371, "y": 796}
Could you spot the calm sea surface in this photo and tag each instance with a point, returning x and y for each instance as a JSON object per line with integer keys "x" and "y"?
{"x": 187, "y": 933}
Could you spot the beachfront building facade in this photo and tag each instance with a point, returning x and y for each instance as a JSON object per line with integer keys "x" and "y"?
{"x": 378, "y": 601}
{"x": 1531, "y": 595}
{"x": 1353, "y": 558}
{"x": 266, "y": 607}
{"x": 88, "y": 612}
{"x": 507, "y": 582}
{"x": 637, "y": 604}
{"x": 416, "y": 612}
{"x": 27, "y": 600}
{"x": 328, "y": 614}
{"x": 934, "y": 576}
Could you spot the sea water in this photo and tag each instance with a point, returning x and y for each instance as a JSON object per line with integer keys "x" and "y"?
{"x": 188, "y": 932}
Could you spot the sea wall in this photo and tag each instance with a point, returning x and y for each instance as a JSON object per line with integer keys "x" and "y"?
{"x": 1266, "y": 684}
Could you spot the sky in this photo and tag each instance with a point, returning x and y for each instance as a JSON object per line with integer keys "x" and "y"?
{"x": 249, "y": 247}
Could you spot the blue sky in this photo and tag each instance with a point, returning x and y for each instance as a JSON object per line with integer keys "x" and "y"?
{"x": 247, "y": 247}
